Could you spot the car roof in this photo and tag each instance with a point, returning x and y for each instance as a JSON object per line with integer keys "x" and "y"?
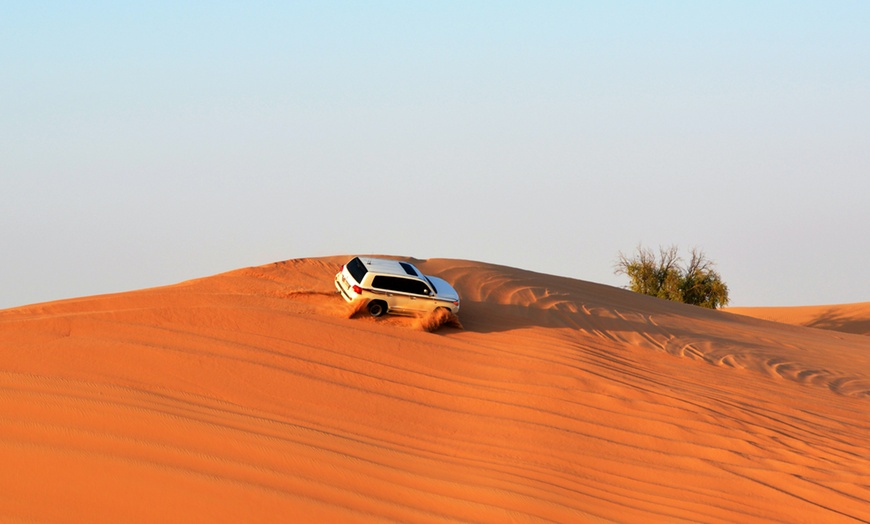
{"x": 390, "y": 267}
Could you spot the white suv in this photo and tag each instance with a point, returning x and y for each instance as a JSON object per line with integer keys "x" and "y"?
{"x": 390, "y": 286}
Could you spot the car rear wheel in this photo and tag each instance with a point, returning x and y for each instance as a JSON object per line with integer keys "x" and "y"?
{"x": 377, "y": 308}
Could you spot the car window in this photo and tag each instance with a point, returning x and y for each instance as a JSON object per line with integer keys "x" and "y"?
{"x": 419, "y": 288}
{"x": 385, "y": 282}
{"x": 400, "y": 285}
{"x": 357, "y": 269}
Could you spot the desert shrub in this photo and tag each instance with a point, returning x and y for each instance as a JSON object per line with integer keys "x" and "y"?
{"x": 664, "y": 276}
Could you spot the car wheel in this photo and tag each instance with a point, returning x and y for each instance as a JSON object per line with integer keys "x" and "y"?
{"x": 377, "y": 308}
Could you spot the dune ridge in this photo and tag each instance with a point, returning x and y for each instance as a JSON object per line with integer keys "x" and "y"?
{"x": 258, "y": 395}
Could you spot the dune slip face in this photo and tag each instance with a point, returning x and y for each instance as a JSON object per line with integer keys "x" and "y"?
{"x": 259, "y": 396}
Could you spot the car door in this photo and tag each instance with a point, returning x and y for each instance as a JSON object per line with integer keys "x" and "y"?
{"x": 417, "y": 296}
{"x": 403, "y": 294}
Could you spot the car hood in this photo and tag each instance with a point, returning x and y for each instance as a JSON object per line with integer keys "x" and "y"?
{"x": 443, "y": 289}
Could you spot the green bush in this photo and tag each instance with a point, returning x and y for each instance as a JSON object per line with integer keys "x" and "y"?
{"x": 696, "y": 283}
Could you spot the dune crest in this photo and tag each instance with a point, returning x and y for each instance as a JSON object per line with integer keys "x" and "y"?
{"x": 257, "y": 395}
{"x": 848, "y": 318}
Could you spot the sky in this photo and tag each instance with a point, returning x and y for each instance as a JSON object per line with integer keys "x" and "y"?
{"x": 144, "y": 145}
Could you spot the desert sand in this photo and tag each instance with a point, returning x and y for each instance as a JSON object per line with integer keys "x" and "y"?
{"x": 256, "y": 396}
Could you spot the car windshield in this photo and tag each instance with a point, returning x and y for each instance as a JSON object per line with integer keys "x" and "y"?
{"x": 432, "y": 284}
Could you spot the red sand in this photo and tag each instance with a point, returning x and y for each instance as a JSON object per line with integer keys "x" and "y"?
{"x": 252, "y": 397}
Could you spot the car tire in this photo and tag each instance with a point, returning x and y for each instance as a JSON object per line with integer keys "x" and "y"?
{"x": 377, "y": 308}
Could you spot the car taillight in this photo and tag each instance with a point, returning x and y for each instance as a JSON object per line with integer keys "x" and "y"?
{"x": 357, "y": 289}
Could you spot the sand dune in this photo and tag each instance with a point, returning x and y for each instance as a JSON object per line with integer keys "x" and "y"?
{"x": 848, "y": 318}
{"x": 257, "y": 396}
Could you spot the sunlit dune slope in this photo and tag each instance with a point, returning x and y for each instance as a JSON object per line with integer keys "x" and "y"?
{"x": 251, "y": 396}
{"x": 848, "y": 318}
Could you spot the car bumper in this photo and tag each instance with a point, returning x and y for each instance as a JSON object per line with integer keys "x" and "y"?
{"x": 338, "y": 285}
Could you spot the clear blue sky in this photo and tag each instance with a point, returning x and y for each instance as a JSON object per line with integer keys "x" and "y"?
{"x": 143, "y": 145}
